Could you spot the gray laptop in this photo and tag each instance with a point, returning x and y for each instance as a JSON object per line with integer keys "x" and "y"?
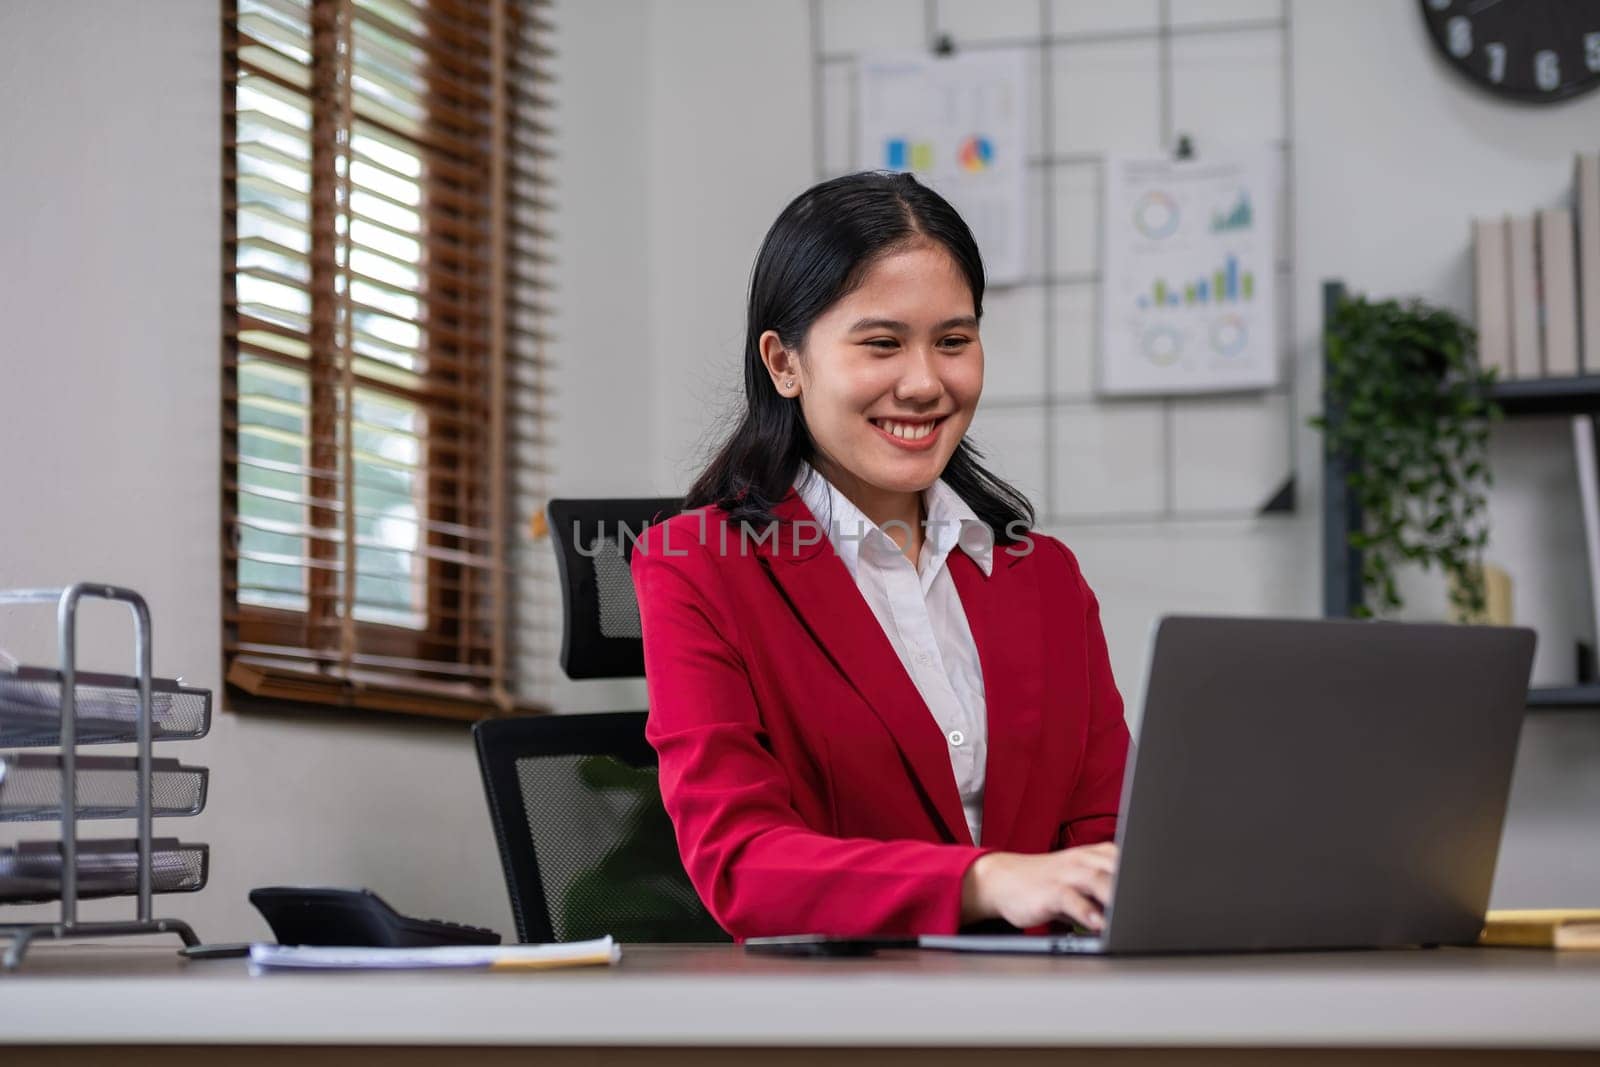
{"x": 1303, "y": 784}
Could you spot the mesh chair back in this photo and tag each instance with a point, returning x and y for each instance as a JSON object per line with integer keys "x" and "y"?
{"x": 594, "y": 544}
{"x": 586, "y": 844}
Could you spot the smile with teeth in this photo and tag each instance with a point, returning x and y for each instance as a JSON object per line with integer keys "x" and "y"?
{"x": 907, "y": 431}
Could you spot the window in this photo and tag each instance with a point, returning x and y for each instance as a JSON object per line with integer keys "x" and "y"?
{"x": 383, "y": 350}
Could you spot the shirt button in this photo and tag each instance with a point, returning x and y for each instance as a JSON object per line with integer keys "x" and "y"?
{"x": 924, "y": 659}
{"x": 957, "y": 738}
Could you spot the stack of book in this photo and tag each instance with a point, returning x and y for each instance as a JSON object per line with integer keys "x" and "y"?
{"x": 1543, "y": 928}
{"x": 1537, "y": 281}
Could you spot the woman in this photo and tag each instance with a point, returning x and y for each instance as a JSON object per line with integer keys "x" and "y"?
{"x": 882, "y": 705}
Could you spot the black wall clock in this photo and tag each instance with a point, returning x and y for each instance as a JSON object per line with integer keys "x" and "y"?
{"x": 1538, "y": 51}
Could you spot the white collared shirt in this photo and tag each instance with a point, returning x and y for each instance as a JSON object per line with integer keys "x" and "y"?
{"x": 921, "y": 613}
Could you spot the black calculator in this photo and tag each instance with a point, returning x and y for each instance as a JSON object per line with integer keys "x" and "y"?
{"x": 307, "y": 915}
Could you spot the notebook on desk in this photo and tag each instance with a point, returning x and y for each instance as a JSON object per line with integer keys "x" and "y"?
{"x": 1303, "y": 784}
{"x": 1563, "y": 928}
{"x": 600, "y": 951}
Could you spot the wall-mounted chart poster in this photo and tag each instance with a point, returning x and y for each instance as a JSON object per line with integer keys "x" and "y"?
{"x": 959, "y": 123}
{"x": 1188, "y": 299}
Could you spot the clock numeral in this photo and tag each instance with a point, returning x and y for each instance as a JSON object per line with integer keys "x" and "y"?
{"x": 1497, "y": 61}
{"x": 1460, "y": 30}
{"x": 1591, "y": 51}
{"x": 1547, "y": 69}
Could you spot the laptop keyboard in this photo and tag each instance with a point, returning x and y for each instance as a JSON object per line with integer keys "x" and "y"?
{"x": 1062, "y": 944}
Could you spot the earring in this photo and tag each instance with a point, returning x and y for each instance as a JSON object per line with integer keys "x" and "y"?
{"x": 788, "y": 383}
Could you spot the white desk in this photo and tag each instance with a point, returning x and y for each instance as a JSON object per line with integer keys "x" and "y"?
{"x": 715, "y": 1005}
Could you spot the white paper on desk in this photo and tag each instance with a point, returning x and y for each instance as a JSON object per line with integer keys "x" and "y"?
{"x": 602, "y": 950}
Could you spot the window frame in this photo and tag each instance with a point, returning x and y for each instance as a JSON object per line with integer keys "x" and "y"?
{"x": 457, "y": 663}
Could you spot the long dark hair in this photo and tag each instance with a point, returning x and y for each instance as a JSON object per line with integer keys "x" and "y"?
{"x": 816, "y": 253}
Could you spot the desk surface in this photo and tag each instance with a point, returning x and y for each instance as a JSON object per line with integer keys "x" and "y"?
{"x": 718, "y": 995}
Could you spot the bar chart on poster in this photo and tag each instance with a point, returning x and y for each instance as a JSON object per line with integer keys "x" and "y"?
{"x": 1186, "y": 304}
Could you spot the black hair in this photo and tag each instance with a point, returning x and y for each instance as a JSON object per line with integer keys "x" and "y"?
{"x": 816, "y": 253}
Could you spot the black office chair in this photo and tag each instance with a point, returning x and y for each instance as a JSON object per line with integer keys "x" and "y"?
{"x": 594, "y": 544}
{"x": 586, "y": 844}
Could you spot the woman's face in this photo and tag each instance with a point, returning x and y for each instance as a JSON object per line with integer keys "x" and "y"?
{"x": 890, "y": 375}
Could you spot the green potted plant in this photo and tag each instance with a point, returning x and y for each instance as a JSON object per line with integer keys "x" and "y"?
{"x": 1407, "y": 405}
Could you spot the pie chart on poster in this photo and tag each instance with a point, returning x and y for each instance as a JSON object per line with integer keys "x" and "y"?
{"x": 1162, "y": 346}
{"x": 1228, "y": 335}
{"x": 976, "y": 154}
{"x": 1156, "y": 215}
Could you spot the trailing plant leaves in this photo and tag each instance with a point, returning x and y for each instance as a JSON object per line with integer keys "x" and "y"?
{"x": 1408, "y": 408}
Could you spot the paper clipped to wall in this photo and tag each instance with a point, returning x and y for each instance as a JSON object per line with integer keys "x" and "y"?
{"x": 1189, "y": 294}
{"x": 959, "y": 123}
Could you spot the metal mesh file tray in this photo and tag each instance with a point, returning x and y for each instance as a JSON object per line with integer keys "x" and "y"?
{"x": 107, "y": 708}
{"x": 30, "y": 873}
{"x": 30, "y": 787}
{"x": 66, "y": 708}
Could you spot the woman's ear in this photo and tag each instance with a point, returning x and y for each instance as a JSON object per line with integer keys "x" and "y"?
{"x": 782, "y": 365}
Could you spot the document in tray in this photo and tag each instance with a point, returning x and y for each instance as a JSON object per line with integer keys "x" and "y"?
{"x": 602, "y": 950}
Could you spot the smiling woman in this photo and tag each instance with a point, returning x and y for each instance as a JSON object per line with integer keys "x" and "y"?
{"x": 908, "y": 381}
{"x": 858, "y": 276}
{"x": 862, "y": 661}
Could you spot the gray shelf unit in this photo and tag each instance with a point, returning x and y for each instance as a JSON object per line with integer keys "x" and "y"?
{"x": 1341, "y": 564}
{"x": 66, "y": 708}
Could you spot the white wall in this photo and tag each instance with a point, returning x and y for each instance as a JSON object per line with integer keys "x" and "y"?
{"x": 730, "y": 144}
{"x": 607, "y": 412}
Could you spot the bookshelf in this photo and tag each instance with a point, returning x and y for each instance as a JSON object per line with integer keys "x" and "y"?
{"x": 1549, "y": 396}
{"x": 1565, "y": 697}
{"x": 1341, "y": 564}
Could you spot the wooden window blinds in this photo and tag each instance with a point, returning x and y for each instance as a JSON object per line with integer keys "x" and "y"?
{"x": 384, "y": 345}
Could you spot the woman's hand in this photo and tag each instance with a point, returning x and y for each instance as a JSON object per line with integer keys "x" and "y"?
{"x": 1030, "y": 890}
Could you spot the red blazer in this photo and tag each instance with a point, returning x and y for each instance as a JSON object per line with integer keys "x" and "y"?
{"x": 809, "y": 785}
